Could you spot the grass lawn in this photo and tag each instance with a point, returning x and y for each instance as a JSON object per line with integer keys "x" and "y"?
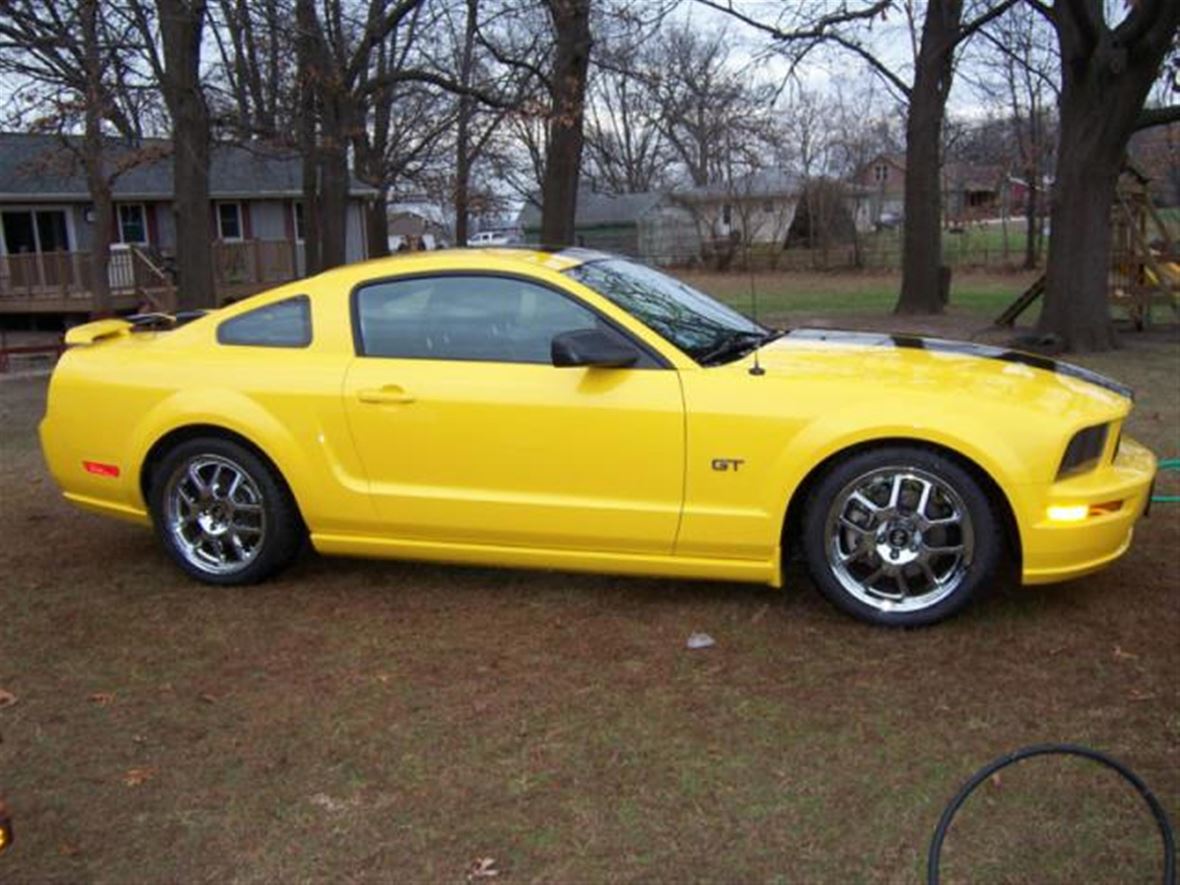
{"x": 977, "y": 297}
{"x": 377, "y": 721}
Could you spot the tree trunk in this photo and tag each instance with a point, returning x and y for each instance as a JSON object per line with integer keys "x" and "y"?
{"x": 463, "y": 127}
{"x": 307, "y": 24}
{"x": 1105, "y": 82}
{"x": 922, "y": 232}
{"x": 181, "y": 25}
{"x": 94, "y": 162}
{"x": 377, "y": 225}
{"x": 563, "y": 152}
{"x": 334, "y": 181}
{"x": 1031, "y": 201}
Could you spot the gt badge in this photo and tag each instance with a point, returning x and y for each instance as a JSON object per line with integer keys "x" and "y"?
{"x": 728, "y": 463}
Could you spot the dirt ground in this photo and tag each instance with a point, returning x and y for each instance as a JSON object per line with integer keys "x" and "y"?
{"x": 378, "y": 721}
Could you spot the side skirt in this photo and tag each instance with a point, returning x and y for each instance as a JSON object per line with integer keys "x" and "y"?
{"x": 743, "y": 570}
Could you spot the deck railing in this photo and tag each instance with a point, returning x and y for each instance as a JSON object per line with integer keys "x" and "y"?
{"x": 61, "y": 281}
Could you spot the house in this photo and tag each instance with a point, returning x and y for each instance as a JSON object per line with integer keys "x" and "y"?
{"x": 756, "y": 208}
{"x": 970, "y": 191}
{"x": 609, "y": 222}
{"x": 47, "y": 222}
{"x": 1156, "y": 151}
{"x": 882, "y": 181}
{"x": 681, "y": 226}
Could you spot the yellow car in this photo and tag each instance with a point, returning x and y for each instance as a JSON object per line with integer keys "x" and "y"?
{"x": 574, "y": 410}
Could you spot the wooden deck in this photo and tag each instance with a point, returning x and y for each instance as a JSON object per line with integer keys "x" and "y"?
{"x": 60, "y": 282}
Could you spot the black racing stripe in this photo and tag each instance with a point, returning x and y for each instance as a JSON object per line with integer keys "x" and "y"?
{"x": 965, "y": 348}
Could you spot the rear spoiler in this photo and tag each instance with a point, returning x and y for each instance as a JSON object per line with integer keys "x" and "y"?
{"x": 105, "y": 330}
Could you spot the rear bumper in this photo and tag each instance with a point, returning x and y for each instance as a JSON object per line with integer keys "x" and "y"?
{"x": 1058, "y": 549}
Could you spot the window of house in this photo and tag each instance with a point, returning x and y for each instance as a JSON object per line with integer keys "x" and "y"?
{"x": 297, "y": 214}
{"x": 482, "y": 318}
{"x": 285, "y": 323}
{"x": 40, "y": 230}
{"x": 229, "y": 221}
{"x": 133, "y": 224}
{"x": 726, "y": 213}
{"x": 881, "y": 172}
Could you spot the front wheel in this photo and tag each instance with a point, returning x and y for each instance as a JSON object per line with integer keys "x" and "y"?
{"x": 223, "y": 514}
{"x": 901, "y": 536}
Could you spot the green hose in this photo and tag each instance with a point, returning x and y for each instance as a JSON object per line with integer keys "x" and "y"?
{"x": 1168, "y": 464}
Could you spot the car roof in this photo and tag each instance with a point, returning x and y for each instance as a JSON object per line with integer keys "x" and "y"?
{"x": 560, "y": 258}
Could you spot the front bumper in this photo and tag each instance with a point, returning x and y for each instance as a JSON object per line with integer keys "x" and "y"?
{"x": 1057, "y": 549}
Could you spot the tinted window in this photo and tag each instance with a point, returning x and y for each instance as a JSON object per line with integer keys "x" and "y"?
{"x": 496, "y": 319}
{"x": 282, "y": 324}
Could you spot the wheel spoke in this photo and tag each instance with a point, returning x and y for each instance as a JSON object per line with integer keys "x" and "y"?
{"x": 195, "y": 478}
{"x": 864, "y": 502}
{"x": 895, "y": 492}
{"x": 924, "y": 499}
{"x": 947, "y": 550}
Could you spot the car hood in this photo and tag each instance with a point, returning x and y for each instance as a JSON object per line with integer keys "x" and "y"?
{"x": 909, "y": 361}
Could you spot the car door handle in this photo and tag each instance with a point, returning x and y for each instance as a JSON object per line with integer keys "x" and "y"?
{"x": 390, "y": 394}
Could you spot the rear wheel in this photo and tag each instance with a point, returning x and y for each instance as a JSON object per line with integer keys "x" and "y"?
{"x": 901, "y": 536}
{"x": 223, "y": 514}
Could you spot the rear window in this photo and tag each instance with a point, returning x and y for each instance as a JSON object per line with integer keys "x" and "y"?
{"x": 285, "y": 323}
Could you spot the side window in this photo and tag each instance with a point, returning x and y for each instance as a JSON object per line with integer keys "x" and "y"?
{"x": 285, "y": 323}
{"x": 493, "y": 319}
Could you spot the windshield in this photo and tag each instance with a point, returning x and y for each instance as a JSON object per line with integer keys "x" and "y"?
{"x": 694, "y": 322}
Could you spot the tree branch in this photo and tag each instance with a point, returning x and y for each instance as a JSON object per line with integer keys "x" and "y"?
{"x": 1149, "y": 117}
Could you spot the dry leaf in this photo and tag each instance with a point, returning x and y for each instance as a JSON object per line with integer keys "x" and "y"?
{"x": 136, "y": 777}
{"x": 996, "y": 781}
{"x": 103, "y": 698}
{"x": 482, "y": 868}
{"x": 207, "y": 698}
{"x": 7, "y": 698}
{"x": 1119, "y": 653}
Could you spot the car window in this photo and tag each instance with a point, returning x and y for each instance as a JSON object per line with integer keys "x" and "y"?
{"x": 465, "y": 317}
{"x": 285, "y": 323}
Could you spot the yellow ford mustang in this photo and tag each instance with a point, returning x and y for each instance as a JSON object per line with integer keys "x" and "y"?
{"x": 574, "y": 410}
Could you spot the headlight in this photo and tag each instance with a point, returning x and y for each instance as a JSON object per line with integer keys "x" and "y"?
{"x": 1083, "y": 450}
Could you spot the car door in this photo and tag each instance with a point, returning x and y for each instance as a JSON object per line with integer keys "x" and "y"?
{"x": 469, "y": 434}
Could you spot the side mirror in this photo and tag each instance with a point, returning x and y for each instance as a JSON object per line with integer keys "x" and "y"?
{"x": 591, "y": 347}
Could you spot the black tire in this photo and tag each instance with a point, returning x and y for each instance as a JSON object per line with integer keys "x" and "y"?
{"x": 242, "y": 531}
{"x": 934, "y": 546}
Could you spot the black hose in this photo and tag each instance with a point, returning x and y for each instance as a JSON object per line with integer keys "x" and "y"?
{"x": 1157, "y": 810}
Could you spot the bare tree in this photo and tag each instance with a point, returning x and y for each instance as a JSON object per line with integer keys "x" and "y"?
{"x": 715, "y": 115}
{"x": 1017, "y": 70}
{"x": 73, "y": 60}
{"x": 171, "y": 34}
{"x": 935, "y": 34}
{"x": 254, "y": 40}
{"x": 1107, "y": 70}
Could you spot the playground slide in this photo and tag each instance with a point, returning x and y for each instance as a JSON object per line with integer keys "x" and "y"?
{"x": 1171, "y": 274}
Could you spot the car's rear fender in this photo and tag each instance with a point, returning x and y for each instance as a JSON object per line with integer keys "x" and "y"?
{"x": 225, "y": 411}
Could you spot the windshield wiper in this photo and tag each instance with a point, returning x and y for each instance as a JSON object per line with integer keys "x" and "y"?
{"x": 738, "y": 344}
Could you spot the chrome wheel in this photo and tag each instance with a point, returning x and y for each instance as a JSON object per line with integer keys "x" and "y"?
{"x": 899, "y": 539}
{"x": 214, "y": 514}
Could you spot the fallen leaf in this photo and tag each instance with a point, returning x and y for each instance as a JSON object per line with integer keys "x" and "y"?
{"x": 482, "y": 868}
{"x": 996, "y": 780}
{"x": 1137, "y": 695}
{"x": 1119, "y": 653}
{"x": 136, "y": 777}
{"x": 207, "y": 698}
{"x": 68, "y": 850}
{"x": 103, "y": 698}
{"x": 7, "y": 698}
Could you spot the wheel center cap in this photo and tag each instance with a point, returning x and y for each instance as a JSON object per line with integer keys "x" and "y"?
{"x": 898, "y": 542}
{"x": 213, "y": 520}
